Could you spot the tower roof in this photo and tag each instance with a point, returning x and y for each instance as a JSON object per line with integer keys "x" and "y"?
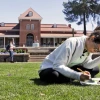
{"x": 30, "y": 14}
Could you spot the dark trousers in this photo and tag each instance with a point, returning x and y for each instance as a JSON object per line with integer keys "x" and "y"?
{"x": 10, "y": 56}
{"x": 50, "y": 75}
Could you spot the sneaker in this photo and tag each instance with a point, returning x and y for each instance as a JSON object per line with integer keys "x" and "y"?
{"x": 4, "y": 59}
{"x": 71, "y": 80}
{"x": 12, "y": 61}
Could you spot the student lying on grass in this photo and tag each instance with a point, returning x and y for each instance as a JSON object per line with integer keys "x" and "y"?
{"x": 60, "y": 66}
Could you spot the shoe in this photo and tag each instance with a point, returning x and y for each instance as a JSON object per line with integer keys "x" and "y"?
{"x": 12, "y": 61}
{"x": 71, "y": 80}
{"x": 4, "y": 59}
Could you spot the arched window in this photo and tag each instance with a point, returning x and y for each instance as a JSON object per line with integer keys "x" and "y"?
{"x": 30, "y": 13}
{"x": 32, "y": 26}
{"x": 29, "y": 39}
{"x": 28, "y": 26}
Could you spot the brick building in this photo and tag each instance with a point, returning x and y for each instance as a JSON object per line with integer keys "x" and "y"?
{"x": 29, "y": 30}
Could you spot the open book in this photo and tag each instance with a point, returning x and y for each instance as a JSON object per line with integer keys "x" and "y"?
{"x": 93, "y": 81}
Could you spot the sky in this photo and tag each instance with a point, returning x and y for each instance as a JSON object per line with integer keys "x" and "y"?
{"x": 49, "y": 10}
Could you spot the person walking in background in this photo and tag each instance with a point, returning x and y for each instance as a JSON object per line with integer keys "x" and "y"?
{"x": 75, "y": 52}
{"x": 9, "y": 48}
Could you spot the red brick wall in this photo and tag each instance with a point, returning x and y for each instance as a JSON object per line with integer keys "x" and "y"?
{"x": 24, "y": 32}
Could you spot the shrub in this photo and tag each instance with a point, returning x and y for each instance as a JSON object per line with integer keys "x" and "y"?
{"x": 20, "y": 50}
{"x": 17, "y": 50}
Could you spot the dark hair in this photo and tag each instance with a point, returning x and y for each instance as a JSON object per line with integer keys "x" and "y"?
{"x": 97, "y": 28}
{"x": 96, "y": 35}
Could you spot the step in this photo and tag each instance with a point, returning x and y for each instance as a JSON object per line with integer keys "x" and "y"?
{"x": 38, "y": 55}
{"x": 34, "y": 57}
{"x": 35, "y": 60}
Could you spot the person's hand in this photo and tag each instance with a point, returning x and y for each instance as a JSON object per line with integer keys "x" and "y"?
{"x": 85, "y": 76}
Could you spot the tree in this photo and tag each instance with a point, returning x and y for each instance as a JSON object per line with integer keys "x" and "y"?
{"x": 81, "y": 11}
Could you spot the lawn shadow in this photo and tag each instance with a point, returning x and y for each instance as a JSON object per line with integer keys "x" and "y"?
{"x": 39, "y": 82}
{"x": 77, "y": 83}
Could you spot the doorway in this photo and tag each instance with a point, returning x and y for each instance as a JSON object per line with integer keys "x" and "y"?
{"x": 29, "y": 39}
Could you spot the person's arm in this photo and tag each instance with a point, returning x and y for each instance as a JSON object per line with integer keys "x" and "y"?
{"x": 91, "y": 63}
{"x": 62, "y": 58}
{"x": 66, "y": 71}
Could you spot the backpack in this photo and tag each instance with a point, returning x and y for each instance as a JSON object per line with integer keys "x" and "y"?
{"x": 8, "y": 47}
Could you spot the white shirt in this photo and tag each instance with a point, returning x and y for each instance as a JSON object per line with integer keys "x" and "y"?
{"x": 67, "y": 55}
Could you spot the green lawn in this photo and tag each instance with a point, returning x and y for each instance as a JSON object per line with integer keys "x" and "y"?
{"x": 20, "y": 81}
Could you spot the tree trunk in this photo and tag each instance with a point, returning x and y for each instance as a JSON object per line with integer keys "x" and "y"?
{"x": 84, "y": 23}
{"x": 73, "y": 32}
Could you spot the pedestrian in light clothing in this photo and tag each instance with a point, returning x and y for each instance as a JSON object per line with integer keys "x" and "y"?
{"x": 10, "y": 48}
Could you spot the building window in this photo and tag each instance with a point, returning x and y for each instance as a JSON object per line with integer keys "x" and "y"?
{"x": 32, "y": 26}
{"x": 30, "y": 13}
{"x": 54, "y": 26}
{"x": 2, "y": 24}
{"x": 28, "y": 26}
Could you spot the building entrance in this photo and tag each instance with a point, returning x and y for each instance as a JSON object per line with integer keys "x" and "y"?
{"x": 29, "y": 39}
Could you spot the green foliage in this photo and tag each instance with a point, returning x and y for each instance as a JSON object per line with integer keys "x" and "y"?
{"x": 81, "y": 11}
{"x": 74, "y": 9}
{"x": 2, "y": 50}
{"x": 17, "y": 50}
{"x": 21, "y": 50}
{"x": 20, "y": 81}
